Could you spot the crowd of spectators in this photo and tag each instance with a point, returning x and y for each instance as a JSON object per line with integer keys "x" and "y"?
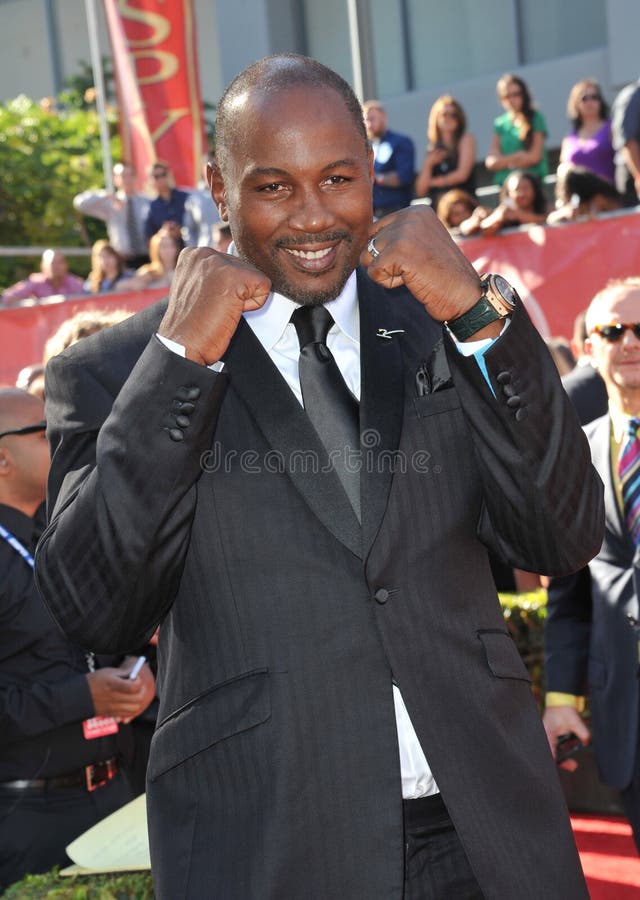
{"x": 145, "y": 234}
{"x": 598, "y": 171}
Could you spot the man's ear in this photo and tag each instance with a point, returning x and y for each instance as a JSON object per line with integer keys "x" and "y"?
{"x": 218, "y": 192}
{"x": 371, "y": 161}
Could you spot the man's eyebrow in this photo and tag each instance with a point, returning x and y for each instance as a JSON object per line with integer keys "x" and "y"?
{"x": 268, "y": 172}
{"x": 275, "y": 172}
{"x": 343, "y": 163}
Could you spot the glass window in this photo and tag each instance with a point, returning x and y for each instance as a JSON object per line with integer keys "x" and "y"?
{"x": 550, "y": 29}
{"x": 327, "y": 34}
{"x": 460, "y": 39}
{"x": 392, "y": 68}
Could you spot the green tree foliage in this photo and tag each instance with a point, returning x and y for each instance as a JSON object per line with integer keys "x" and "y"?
{"x": 50, "y": 151}
{"x": 49, "y": 154}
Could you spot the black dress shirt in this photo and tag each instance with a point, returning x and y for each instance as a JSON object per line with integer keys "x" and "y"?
{"x": 44, "y": 693}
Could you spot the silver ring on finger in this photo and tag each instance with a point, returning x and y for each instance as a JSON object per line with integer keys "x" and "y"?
{"x": 373, "y": 250}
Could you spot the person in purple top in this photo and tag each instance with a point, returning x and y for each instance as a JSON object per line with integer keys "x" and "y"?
{"x": 586, "y": 174}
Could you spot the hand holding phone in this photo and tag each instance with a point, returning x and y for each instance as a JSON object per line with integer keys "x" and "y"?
{"x": 567, "y": 747}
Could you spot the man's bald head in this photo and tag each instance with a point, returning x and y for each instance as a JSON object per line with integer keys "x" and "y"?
{"x": 19, "y": 408}
{"x": 599, "y": 310}
{"x": 277, "y": 73}
{"x": 24, "y": 457}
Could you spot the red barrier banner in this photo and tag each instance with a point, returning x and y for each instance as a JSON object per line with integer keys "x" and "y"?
{"x": 558, "y": 269}
{"x": 156, "y": 67}
{"x": 24, "y": 330}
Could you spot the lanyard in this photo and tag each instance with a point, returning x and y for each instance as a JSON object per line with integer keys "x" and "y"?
{"x": 15, "y": 544}
{"x": 28, "y": 558}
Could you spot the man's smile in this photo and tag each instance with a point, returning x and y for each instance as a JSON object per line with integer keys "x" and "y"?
{"x": 313, "y": 261}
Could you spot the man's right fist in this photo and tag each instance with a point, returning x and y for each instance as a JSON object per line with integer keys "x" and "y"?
{"x": 209, "y": 293}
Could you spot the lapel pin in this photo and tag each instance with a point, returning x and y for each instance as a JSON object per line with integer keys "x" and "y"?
{"x": 388, "y": 335}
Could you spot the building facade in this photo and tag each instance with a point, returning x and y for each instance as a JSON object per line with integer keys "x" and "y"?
{"x": 405, "y": 52}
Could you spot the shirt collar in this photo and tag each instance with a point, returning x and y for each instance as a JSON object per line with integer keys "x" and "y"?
{"x": 619, "y": 424}
{"x": 270, "y": 321}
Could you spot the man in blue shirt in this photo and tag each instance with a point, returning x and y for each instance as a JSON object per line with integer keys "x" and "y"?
{"x": 168, "y": 206}
{"x": 394, "y": 162}
{"x": 625, "y": 134}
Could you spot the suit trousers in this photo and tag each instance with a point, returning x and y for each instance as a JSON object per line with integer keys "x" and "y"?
{"x": 36, "y": 825}
{"x": 436, "y": 866}
{"x": 631, "y": 800}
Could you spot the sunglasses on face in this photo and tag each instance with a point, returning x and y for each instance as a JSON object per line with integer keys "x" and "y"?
{"x": 614, "y": 332}
{"x": 511, "y": 94}
{"x": 158, "y": 174}
{"x": 585, "y": 97}
{"x": 450, "y": 113}
{"x": 27, "y": 429}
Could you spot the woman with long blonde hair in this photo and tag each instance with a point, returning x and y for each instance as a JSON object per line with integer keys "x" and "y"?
{"x": 451, "y": 152}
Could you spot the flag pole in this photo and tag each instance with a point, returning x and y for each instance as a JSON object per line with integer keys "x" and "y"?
{"x": 354, "y": 43}
{"x": 98, "y": 81}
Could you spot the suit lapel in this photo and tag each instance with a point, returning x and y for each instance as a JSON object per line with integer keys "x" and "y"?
{"x": 381, "y": 403}
{"x": 254, "y": 377}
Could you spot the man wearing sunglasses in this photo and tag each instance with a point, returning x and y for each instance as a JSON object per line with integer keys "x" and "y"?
{"x": 168, "y": 205}
{"x": 61, "y": 735}
{"x": 593, "y": 617}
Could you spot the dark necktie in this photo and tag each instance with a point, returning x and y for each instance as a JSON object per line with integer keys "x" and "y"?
{"x": 331, "y": 407}
{"x": 629, "y": 472}
{"x": 135, "y": 242}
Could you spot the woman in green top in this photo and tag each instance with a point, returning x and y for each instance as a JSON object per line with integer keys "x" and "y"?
{"x": 519, "y": 133}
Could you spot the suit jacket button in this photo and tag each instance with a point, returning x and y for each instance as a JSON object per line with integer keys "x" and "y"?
{"x": 187, "y": 393}
{"x": 514, "y": 402}
{"x": 176, "y": 434}
{"x": 183, "y": 421}
{"x": 503, "y": 377}
{"x": 381, "y": 595}
{"x": 184, "y": 406}
{"x": 508, "y": 390}
{"x": 521, "y": 415}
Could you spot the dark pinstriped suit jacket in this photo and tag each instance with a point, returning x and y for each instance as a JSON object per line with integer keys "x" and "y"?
{"x": 274, "y": 771}
{"x": 590, "y": 644}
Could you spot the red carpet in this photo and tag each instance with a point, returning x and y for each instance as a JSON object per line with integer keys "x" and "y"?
{"x": 609, "y": 858}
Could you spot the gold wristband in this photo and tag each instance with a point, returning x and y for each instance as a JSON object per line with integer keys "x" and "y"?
{"x": 553, "y": 698}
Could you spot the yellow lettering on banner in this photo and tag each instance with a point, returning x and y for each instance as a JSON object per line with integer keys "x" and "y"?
{"x": 160, "y": 25}
{"x": 167, "y": 69}
{"x": 172, "y": 117}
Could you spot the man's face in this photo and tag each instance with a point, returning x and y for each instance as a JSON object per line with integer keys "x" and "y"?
{"x": 160, "y": 179}
{"x": 124, "y": 178}
{"x": 54, "y": 265}
{"x": 297, "y": 190}
{"x": 375, "y": 120}
{"x": 618, "y": 362}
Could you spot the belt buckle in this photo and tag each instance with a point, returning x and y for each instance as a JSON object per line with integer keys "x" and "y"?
{"x": 89, "y": 773}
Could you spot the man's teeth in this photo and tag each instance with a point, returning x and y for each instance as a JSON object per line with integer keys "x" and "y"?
{"x": 309, "y": 254}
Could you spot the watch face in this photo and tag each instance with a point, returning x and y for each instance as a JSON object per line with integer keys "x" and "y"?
{"x": 505, "y": 290}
